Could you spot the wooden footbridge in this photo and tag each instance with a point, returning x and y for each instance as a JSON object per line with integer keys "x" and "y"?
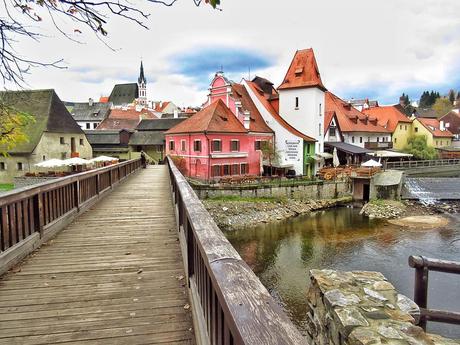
{"x": 124, "y": 255}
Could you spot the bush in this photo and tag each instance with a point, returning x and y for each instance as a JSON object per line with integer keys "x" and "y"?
{"x": 418, "y": 147}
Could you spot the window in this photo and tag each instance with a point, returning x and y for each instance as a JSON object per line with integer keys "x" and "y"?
{"x": 216, "y": 146}
{"x": 215, "y": 170}
{"x": 319, "y": 131}
{"x": 320, "y": 108}
{"x": 353, "y": 140}
{"x": 88, "y": 125}
{"x": 297, "y": 102}
{"x": 235, "y": 145}
{"x": 416, "y": 129}
{"x": 171, "y": 145}
{"x": 61, "y": 139}
{"x": 396, "y": 139}
{"x": 360, "y": 140}
{"x": 226, "y": 170}
{"x": 244, "y": 169}
{"x": 235, "y": 169}
{"x": 82, "y": 142}
{"x": 197, "y": 146}
{"x": 94, "y": 125}
{"x": 405, "y": 127}
{"x": 332, "y": 132}
{"x": 400, "y": 127}
{"x": 182, "y": 145}
{"x": 436, "y": 143}
{"x": 43, "y": 158}
{"x": 2, "y": 166}
{"x": 378, "y": 139}
{"x": 257, "y": 145}
{"x": 20, "y": 166}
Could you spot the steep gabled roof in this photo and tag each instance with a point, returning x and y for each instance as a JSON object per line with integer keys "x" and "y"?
{"x": 350, "y": 119}
{"x": 216, "y": 118}
{"x": 48, "y": 111}
{"x": 388, "y": 116}
{"x": 433, "y": 126}
{"x": 257, "y": 123}
{"x": 303, "y": 72}
{"x": 85, "y": 112}
{"x": 263, "y": 98}
{"x": 124, "y": 94}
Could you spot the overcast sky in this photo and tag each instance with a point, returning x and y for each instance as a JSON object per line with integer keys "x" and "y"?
{"x": 364, "y": 48}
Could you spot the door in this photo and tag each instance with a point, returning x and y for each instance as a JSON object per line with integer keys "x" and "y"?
{"x": 72, "y": 145}
{"x": 366, "y": 192}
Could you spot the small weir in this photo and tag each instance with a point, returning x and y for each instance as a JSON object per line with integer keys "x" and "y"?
{"x": 430, "y": 190}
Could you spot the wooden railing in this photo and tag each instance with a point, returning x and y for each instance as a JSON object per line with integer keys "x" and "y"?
{"x": 422, "y": 266}
{"x": 30, "y": 215}
{"x": 421, "y": 164}
{"x": 229, "y": 303}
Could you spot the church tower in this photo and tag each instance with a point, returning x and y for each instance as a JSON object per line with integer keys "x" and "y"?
{"x": 142, "y": 85}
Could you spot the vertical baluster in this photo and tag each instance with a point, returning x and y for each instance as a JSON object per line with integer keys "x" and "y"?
{"x": 19, "y": 220}
{"x": 13, "y": 228}
{"x": 421, "y": 291}
{"x": 5, "y": 235}
{"x": 25, "y": 217}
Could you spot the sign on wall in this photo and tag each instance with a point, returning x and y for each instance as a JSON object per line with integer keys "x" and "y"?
{"x": 293, "y": 150}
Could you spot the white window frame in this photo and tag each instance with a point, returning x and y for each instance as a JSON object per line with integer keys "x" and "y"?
{"x": 232, "y": 141}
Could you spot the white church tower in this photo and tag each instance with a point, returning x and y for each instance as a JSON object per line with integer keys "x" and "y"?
{"x": 142, "y": 86}
{"x": 302, "y": 97}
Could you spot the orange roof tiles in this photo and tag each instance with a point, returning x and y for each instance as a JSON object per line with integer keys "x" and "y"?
{"x": 103, "y": 99}
{"x": 216, "y": 118}
{"x": 125, "y": 118}
{"x": 387, "y": 116}
{"x": 274, "y": 112}
{"x": 433, "y": 126}
{"x": 159, "y": 107}
{"x": 349, "y": 118}
{"x": 303, "y": 72}
{"x": 257, "y": 123}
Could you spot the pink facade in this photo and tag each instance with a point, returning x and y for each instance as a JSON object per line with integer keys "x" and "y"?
{"x": 238, "y": 153}
{"x": 202, "y": 162}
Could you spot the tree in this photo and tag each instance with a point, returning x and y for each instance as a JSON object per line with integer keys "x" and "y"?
{"x": 269, "y": 153}
{"x": 93, "y": 15}
{"x": 12, "y": 127}
{"x": 451, "y": 96}
{"x": 405, "y": 99}
{"x": 442, "y": 106}
{"x": 417, "y": 146}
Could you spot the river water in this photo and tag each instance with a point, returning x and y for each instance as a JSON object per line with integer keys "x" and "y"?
{"x": 281, "y": 255}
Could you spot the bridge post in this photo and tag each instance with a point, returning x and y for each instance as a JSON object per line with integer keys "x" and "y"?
{"x": 38, "y": 213}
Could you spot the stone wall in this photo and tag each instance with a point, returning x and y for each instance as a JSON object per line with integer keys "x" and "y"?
{"x": 362, "y": 308}
{"x": 318, "y": 190}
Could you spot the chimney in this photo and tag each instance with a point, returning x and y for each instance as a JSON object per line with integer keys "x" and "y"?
{"x": 161, "y": 104}
{"x": 176, "y": 113}
{"x": 247, "y": 119}
{"x": 90, "y": 102}
{"x": 441, "y": 126}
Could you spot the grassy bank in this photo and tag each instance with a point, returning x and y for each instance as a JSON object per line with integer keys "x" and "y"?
{"x": 6, "y": 187}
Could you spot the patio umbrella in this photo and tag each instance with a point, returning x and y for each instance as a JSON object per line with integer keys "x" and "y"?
{"x": 51, "y": 163}
{"x": 335, "y": 158}
{"x": 76, "y": 161}
{"x": 104, "y": 159}
{"x": 371, "y": 164}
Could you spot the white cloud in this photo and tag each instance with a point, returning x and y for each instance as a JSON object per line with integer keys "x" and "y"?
{"x": 382, "y": 47}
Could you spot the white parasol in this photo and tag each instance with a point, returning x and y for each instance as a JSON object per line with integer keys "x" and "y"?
{"x": 76, "y": 161}
{"x": 104, "y": 159}
{"x": 51, "y": 163}
{"x": 371, "y": 164}
{"x": 335, "y": 158}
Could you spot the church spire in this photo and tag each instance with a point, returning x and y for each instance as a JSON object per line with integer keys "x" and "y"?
{"x": 141, "y": 79}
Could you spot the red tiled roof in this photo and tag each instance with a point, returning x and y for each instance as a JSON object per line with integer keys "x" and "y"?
{"x": 132, "y": 113}
{"x": 303, "y": 72}
{"x": 274, "y": 113}
{"x": 163, "y": 106}
{"x": 387, "y": 116}
{"x": 349, "y": 118}
{"x": 433, "y": 126}
{"x": 257, "y": 123}
{"x": 103, "y": 99}
{"x": 216, "y": 118}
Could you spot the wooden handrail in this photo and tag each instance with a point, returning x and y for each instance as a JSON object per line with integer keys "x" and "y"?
{"x": 422, "y": 267}
{"x": 30, "y": 210}
{"x": 227, "y": 298}
{"x": 421, "y": 164}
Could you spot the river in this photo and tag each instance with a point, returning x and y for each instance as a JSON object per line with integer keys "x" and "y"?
{"x": 281, "y": 255}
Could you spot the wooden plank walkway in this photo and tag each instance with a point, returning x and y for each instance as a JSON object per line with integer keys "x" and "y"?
{"x": 113, "y": 276}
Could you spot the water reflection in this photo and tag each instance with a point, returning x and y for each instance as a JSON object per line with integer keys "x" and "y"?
{"x": 281, "y": 255}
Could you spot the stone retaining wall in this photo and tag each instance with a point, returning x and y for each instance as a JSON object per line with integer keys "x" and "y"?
{"x": 319, "y": 190}
{"x": 362, "y": 308}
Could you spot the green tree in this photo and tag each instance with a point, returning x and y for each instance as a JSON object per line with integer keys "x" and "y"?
{"x": 442, "y": 106}
{"x": 417, "y": 146}
{"x": 452, "y": 96}
{"x": 12, "y": 127}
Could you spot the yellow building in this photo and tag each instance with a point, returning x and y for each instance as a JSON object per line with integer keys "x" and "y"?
{"x": 53, "y": 133}
{"x": 436, "y": 135}
{"x": 393, "y": 118}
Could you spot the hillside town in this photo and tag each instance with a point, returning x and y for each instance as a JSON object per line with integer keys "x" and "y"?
{"x": 232, "y": 173}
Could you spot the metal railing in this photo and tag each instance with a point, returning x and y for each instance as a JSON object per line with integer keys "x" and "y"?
{"x": 229, "y": 303}
{"x": 422, "y": 267}
{"x": 421, "y": 164}
{"x": 28, "y": 212}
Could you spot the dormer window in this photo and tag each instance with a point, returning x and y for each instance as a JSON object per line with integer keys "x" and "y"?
{"x": 298, "y": 71}
{"x": 297, "y": 103}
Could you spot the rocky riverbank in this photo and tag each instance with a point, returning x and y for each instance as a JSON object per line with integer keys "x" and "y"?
{"x": 240, "y": 213}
